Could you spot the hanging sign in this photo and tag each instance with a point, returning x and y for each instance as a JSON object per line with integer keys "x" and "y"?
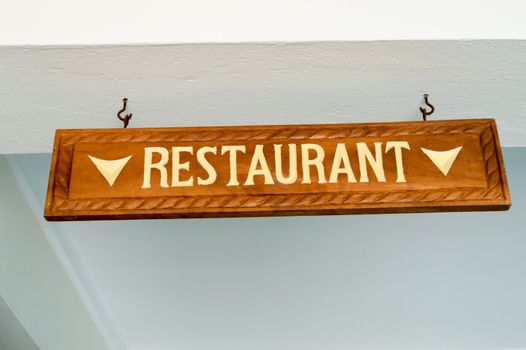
{"x": 276, "y": 170}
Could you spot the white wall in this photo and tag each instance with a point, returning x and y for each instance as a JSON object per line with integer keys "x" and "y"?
{"x": 62, "y": 22}
{"x": 48, "y": 88}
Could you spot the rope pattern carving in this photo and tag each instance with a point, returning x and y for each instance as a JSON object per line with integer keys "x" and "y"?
{"x": 278, "y": 134}
{"x": 492, "y": 191}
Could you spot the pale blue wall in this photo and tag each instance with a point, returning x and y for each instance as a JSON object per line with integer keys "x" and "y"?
{"x": 33, "y": 282}
{"x": 414, "y": 281}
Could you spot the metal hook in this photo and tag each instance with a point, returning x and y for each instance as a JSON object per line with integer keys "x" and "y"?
{"x": 424, "y": 112}
{"x": 127, "y": 117}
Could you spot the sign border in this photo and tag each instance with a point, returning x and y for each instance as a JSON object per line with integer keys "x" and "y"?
{"x": 495, "y": 197}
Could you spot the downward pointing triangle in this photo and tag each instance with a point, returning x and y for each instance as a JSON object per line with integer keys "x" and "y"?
{"x": 443, "y": 159}
{"x": 110, "y": 169}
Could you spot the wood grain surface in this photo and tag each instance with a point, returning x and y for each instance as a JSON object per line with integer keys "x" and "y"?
{"x": 464, "y": 171}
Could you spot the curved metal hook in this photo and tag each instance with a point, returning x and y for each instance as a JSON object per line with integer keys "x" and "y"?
{"x": 127, "y": 117}
{"x": 424, "y": 112}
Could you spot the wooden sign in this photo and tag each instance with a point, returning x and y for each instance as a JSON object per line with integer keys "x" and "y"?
{"x": 276, "y": 170}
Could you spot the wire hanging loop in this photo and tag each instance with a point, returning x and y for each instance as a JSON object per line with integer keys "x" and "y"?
{"x": 127, "y": 117}
{"x": 424, "y": 111}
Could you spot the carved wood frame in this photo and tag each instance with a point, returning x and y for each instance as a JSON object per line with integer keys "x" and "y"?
{"x": 494, "y": 197}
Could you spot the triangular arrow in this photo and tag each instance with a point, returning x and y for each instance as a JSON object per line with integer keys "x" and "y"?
{"x": 443, "y": 159}
{"x": 110, "y": 169}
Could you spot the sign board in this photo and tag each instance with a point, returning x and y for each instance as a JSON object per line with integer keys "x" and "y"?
{"x": 428, "y": 166}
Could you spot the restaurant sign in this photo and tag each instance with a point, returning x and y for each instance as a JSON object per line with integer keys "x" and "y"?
{"x": 427, "y": 166}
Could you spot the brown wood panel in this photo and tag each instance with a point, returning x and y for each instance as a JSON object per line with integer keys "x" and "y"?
{"x": 453, "y": 165}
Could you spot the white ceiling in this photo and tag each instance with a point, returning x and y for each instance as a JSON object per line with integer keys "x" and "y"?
{"x": 46, "y": 88}
{"x": 450, "y": 281}
{"x": 65, "y": 22}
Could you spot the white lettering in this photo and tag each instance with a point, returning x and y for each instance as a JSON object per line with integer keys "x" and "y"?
{"x": 177, "y": 166}
{"x": 340, "y": 156}
{"x": 316, "y": 161}
{"x": 233, "y": 162}
{"x": 160, "y": 165}
{"x": 398, "y": 145}
{"x": 376, "y": 162}
{"x": 293, "y": 165}
{"x": 201, "y": 158}
{"x": 258, "y": 158}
